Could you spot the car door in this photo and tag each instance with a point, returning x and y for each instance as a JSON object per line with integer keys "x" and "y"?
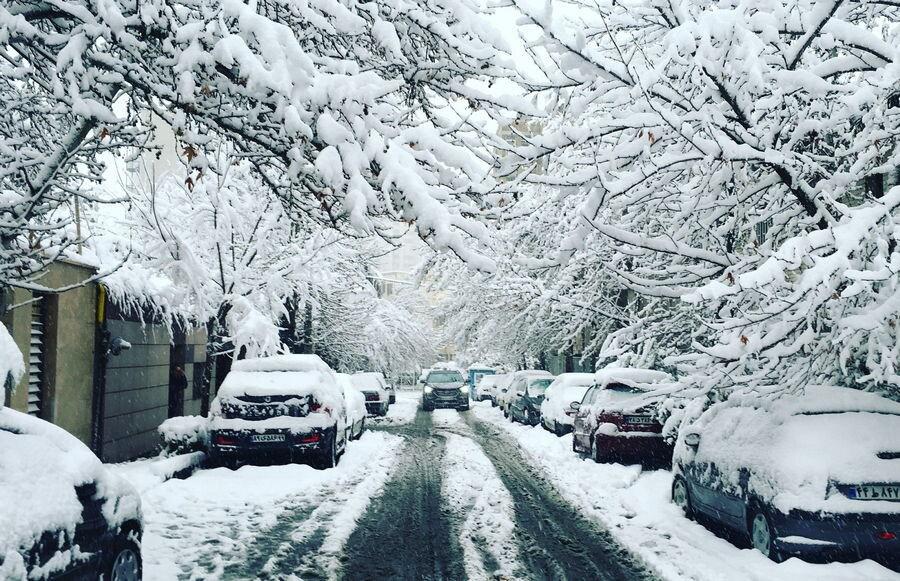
{"x": 715, "y": 495}
{"x": 518, "y": 395}
{"x": 581, "y": 422}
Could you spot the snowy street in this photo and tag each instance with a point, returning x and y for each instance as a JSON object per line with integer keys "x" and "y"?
{"x": 442, "y": 495}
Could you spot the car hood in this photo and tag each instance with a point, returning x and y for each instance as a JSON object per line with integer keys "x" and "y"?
{"x": 451, "y": 385}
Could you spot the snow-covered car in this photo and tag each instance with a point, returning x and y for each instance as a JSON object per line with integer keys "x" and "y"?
{"x": 813, "y": 475}
{"x": 517, "y": 385}
{"x": 484, "y": 387}
{"x": 284, "y": 406}
{"x": 445, "y": 389}
{"x": 617, "y": 418}
{"x": 499, "y": 387}
{"x": 355, "y": 404}
{"x": 525, "y": 406}
{"x": 62, "y": 514}
{"x": 476, "y": 372}
{"x": 375, "y": 389}
{"x": 556, "y": 413}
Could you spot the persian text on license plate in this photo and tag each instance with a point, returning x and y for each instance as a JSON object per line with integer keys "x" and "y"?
{"x": 267, "y": 438}
{"x": 875, "y": 492}
{"x": 639, "y": 419}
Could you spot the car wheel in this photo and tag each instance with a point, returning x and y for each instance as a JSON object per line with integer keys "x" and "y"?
{"x": 125, "y": 564}
{"x": 762, "y": 535}
{"x": 328, "y": 458}
{"x": 681, "y": 497}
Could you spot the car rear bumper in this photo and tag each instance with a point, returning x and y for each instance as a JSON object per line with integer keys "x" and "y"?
{"x": 241, "y": 445}
{"x": 635, "y": 445}
{"x": 815, "y": 536}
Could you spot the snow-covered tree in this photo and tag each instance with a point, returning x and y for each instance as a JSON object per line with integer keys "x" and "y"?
{"x": 734, "y": 155}
{"x": 224, "y": 253}
{"x": 350, "y": 112}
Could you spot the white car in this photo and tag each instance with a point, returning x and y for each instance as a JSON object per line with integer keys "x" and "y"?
{"x": 281, "y": 406}
{"x": 517, "y": 385}
{"x": 556, "y": 415}
{"x": 484, "y": 387}
{"x": 810, "y": 474}
{"x": 499, "y": 387}
{"x": 355, "y": 403}
{"x": 375, "y": 388}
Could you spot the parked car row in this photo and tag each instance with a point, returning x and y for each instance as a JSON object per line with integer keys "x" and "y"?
{"x": 815, "y": 474}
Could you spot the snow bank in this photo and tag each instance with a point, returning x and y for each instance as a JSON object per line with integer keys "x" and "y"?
{"x": 184, "y": 434}
{"x": 485, "y": 507}
{"x": 635, "y": 506}
{"x": 401, "y": 412}
{"x": 40, "y": 467}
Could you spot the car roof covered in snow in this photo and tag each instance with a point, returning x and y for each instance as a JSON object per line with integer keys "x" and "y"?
{"x": 40, "y": 467}
{"x": 286, "y": 362}
{"x": 368, "y": 380}
{"x": 630, "y": 376}
{"x": 280, "y": 375}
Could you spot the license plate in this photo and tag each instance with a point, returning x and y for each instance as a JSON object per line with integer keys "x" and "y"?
{"x": 267, "y": 438}
{"x": 874, "y": 492}
{"x": 640, "y": 420}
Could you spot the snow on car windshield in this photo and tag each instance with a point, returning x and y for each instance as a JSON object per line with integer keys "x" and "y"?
{"x": 539, "y": 386}
{"x": 444, "y": 377}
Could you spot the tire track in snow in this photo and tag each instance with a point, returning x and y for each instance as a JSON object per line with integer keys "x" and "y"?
{"x": 308, "y": 543}
{"x": 484, "y": 506}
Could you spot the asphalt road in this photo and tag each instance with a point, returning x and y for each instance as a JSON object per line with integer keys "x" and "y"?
{"x": 406, "y": 534}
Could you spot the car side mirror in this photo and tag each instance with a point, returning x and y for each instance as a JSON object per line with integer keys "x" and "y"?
{"x": 692, "y": 439}
{"x": 575, "y": 406}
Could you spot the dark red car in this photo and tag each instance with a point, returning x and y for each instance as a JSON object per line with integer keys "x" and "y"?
{"x": 616, "y": 421}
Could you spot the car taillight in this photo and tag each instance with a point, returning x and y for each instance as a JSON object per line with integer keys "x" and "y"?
{"x": 314, "y": 406}
{"x": 886, "y": 536}
{"x": 225, "y": 440}
{"x": 310, "y": 439}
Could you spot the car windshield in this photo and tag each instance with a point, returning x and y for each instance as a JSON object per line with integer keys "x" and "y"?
{"x": 622, "y": 388}
{"x": 444, "y": 377}
{"x": 539, "y": 386}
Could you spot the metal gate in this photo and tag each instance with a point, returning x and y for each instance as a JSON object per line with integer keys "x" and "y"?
{"x": 36, "y": 359}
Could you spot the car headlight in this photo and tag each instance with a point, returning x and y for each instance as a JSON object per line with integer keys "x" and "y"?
{"x": 464, "y": 389}
{"x": 427, "y": 389}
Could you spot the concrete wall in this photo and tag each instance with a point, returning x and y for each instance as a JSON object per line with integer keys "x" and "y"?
{"x": 69, "y": 337}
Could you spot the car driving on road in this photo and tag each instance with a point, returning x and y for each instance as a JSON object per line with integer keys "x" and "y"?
{"x": 284, "y": 406}
{"x": 814, "y": 475}
{"x": 62, "y": 514}
{"x": 525, "y": 405}
{"x": 375, "y": 388}
{"x": 556, "y": 413}
{"x": 617, "y": 417}
{"x": 445, "y": 389}
{"x": 355, "y": 403}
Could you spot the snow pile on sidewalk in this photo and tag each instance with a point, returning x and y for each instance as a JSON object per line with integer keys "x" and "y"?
{"x": 484, "y": 506}
{"x": 635, "y": 506}
{"x": 146, "y": 473}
